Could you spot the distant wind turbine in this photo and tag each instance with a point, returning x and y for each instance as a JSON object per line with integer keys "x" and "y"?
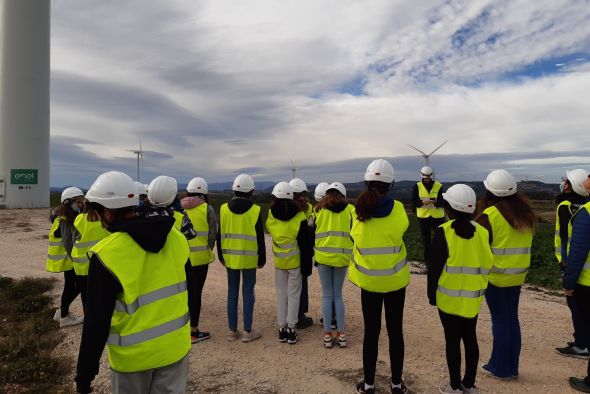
{"x": 139, "y": 154}
{"x": 427, "y": 156}
{"x": 293, "y": 168}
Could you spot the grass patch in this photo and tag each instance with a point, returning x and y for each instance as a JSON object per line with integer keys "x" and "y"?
{"x": 28, "y": 336}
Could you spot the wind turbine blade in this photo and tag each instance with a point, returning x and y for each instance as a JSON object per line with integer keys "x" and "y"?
{"x": 411, "y": 146}
{"x": 438, "y": 147}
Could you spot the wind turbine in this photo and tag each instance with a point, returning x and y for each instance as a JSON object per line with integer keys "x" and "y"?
{"x": 139, "y": 154}
{"x": 427, "y": 156}
{"x": 293, "y": 168}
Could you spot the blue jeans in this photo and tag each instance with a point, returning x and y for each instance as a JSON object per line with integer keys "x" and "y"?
{"x": 503, "y": 305}
{"x": 233, "y": 291}
{"x": 332, "y": 279}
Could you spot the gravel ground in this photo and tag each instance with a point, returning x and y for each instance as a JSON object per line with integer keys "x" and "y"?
{"x": 267, "y": 366}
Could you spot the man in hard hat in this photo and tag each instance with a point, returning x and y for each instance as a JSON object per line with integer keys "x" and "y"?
{"x": 241, "y": 249}
{"x": 136, "y": 296}
{"x": 427, "y": 201}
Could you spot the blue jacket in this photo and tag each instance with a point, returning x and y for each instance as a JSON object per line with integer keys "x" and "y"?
{"x": 579, "y": 249}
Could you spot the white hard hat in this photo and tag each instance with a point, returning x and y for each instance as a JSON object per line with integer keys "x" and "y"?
{"x": 140, "y": 188}
{"x": 197, "y": 185}
{"x": 380, "y": 170}
{"x": 162, "y": 191}
{"x": 113, "y": 190}
{"x": 577, "y": 178}
{"x": 298, "y": 185}
{"x": 283, "y": 190}
{"x": 243, "y": 183}
{"x": 337, "y": 186}
{"x": 500, "y": 183}
{"x": 461, "y": 198}
{"x": 70, "y": 193}
{"x": 320, "y": 190}
{"x": 426, "y": 172}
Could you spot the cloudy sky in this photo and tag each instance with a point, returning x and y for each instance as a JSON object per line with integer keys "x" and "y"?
{"x": 215, "y": 88}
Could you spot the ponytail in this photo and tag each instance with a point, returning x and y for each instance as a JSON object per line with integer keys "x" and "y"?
{"x": 366, "y": 203}
{"x": 462, "y": 224}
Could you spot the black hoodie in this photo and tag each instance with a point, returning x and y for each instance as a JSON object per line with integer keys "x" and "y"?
{"x": 239, "y": 206}
{"x": 286, "y": 210}
{"x": 102, "y": 290}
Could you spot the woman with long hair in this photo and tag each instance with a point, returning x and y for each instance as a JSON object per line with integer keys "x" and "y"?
{"x": 379, "y": 267}
{"x": 510, "y": 221}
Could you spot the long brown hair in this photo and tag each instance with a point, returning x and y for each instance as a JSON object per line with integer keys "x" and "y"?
{"x": 67, "y": 212}
{"x": 332, "y": 198}
{"x": 516, "y": 209}
{"x": 366, "y": 203}
{"x": 301, "y": 200}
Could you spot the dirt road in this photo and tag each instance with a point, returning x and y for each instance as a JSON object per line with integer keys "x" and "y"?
{"x": 267, "y": 366}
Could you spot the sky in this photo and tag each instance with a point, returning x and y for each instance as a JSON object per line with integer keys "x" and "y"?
{"x": 217, "y": 88}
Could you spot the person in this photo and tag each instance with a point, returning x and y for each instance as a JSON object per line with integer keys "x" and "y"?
{"x": 241, "y": 249}
{"x": 576, "y": 279}
{"x": 137, "y": 296}
{"x": 511, "y": 222}
{"x": 427, "y": 202}
{"x": 379, "y": 267}
{"x": 570, "y": 200}
{"x": 460, "y": 262}
{"x": 59, "y": 253}
{"x": 162, "y": 194}
{"x": 301, "y": 200}
{"x": 87, "y": 232}
{"x": 202, "y": 216}
{"x": 333, "y": 247}
{"x": 291, "y": 247}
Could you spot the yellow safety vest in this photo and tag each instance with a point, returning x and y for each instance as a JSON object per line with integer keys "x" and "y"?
{"x": 584, "y": 278}
{"x": 239, "y": 244}
{"x": 378, "y": 261}
{"x": 90, "y": 234}
{"x": 511, "y": 249}
{"x": 464, "y": 279}
{"x": 200, "y": 252}
{"x": 309, "y": 211}
{"x": 57, "y": 256}
{"x": 425, "y": 196}
{"x": 333, "y": 245}
{"x": 150, "y": 323}
{"x": 178, "y": 217}
{"x": 284, "y": 240}
{"x": 557, "y": 238}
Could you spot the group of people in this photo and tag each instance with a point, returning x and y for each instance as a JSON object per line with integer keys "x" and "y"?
{"x": 141, "y": 267}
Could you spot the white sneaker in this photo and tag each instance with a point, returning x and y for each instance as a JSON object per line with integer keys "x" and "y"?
{"x": 447, "y": 389}
{"x": 471, "y": 390}
{"x": 57, "y": 315}
{"x": 70, "y": 320}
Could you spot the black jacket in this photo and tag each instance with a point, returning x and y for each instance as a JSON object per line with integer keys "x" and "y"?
{"x": 102, "y": 290}
{"x": 239, "y": 206}
{"x": 286, "y": 210}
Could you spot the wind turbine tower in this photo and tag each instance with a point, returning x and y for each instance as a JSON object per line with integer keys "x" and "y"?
{"x": 139, "y": 154}
{"x": 425, "y": 155}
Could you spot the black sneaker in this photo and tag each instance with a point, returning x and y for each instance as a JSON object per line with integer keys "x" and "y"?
{"x": 198, "y": 336}
{"x": 282, "y": 334}
{"x": 398, "y": 390}
{"x": 573, "y": 351}
{"x": 304, "y": 322}
{"x": 579, "y": 384}
{"x": 360, "y": 388}
{"x": 291, "y": 336}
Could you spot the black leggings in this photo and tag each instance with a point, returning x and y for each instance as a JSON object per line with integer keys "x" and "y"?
{"x": 427, "y": 227}
{"x": 196, "y": 284}
{"x": 372, "y": 304}
{"x": 70, "y": 291}
{"x": 459, "y": 328}
{"x": 582, "y": 298}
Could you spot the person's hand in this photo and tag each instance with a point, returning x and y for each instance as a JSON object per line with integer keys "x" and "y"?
{"x": 569, "y": 293}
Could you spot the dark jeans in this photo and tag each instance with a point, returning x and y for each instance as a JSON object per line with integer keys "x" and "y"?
{"x": 459, "y": 329}
{"x": 303, "y": 298}
{"x": 580, "y": 332}
{"x": 70, "y": 291}
{"x": 199, "y": 275}
{"x": 582, "y": 298}
{"x": 503, "y": 305}
{"x": 372, "y": 304}
{"x": 427, "y": 227}
{"x": 233, "y": 290}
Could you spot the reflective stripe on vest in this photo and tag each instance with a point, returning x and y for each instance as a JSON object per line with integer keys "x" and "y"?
{"x": 426, "y": 196}
{"x": 461, "y": 293}
{"x": 332, "y": 245}
{"x": 91, "y": 233}
{"x": 378, "y": 261}
{"x": 284, "y": 235}
{"x": 149, "y": 334}
{"x": 150, "y": 297}
{"x": 467, "y": 270}
{"x": 57, "y": 255}
{"x": 200, "y": 254}
{"x": 511, "y": 249}
{"x": 239, "y": 242}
